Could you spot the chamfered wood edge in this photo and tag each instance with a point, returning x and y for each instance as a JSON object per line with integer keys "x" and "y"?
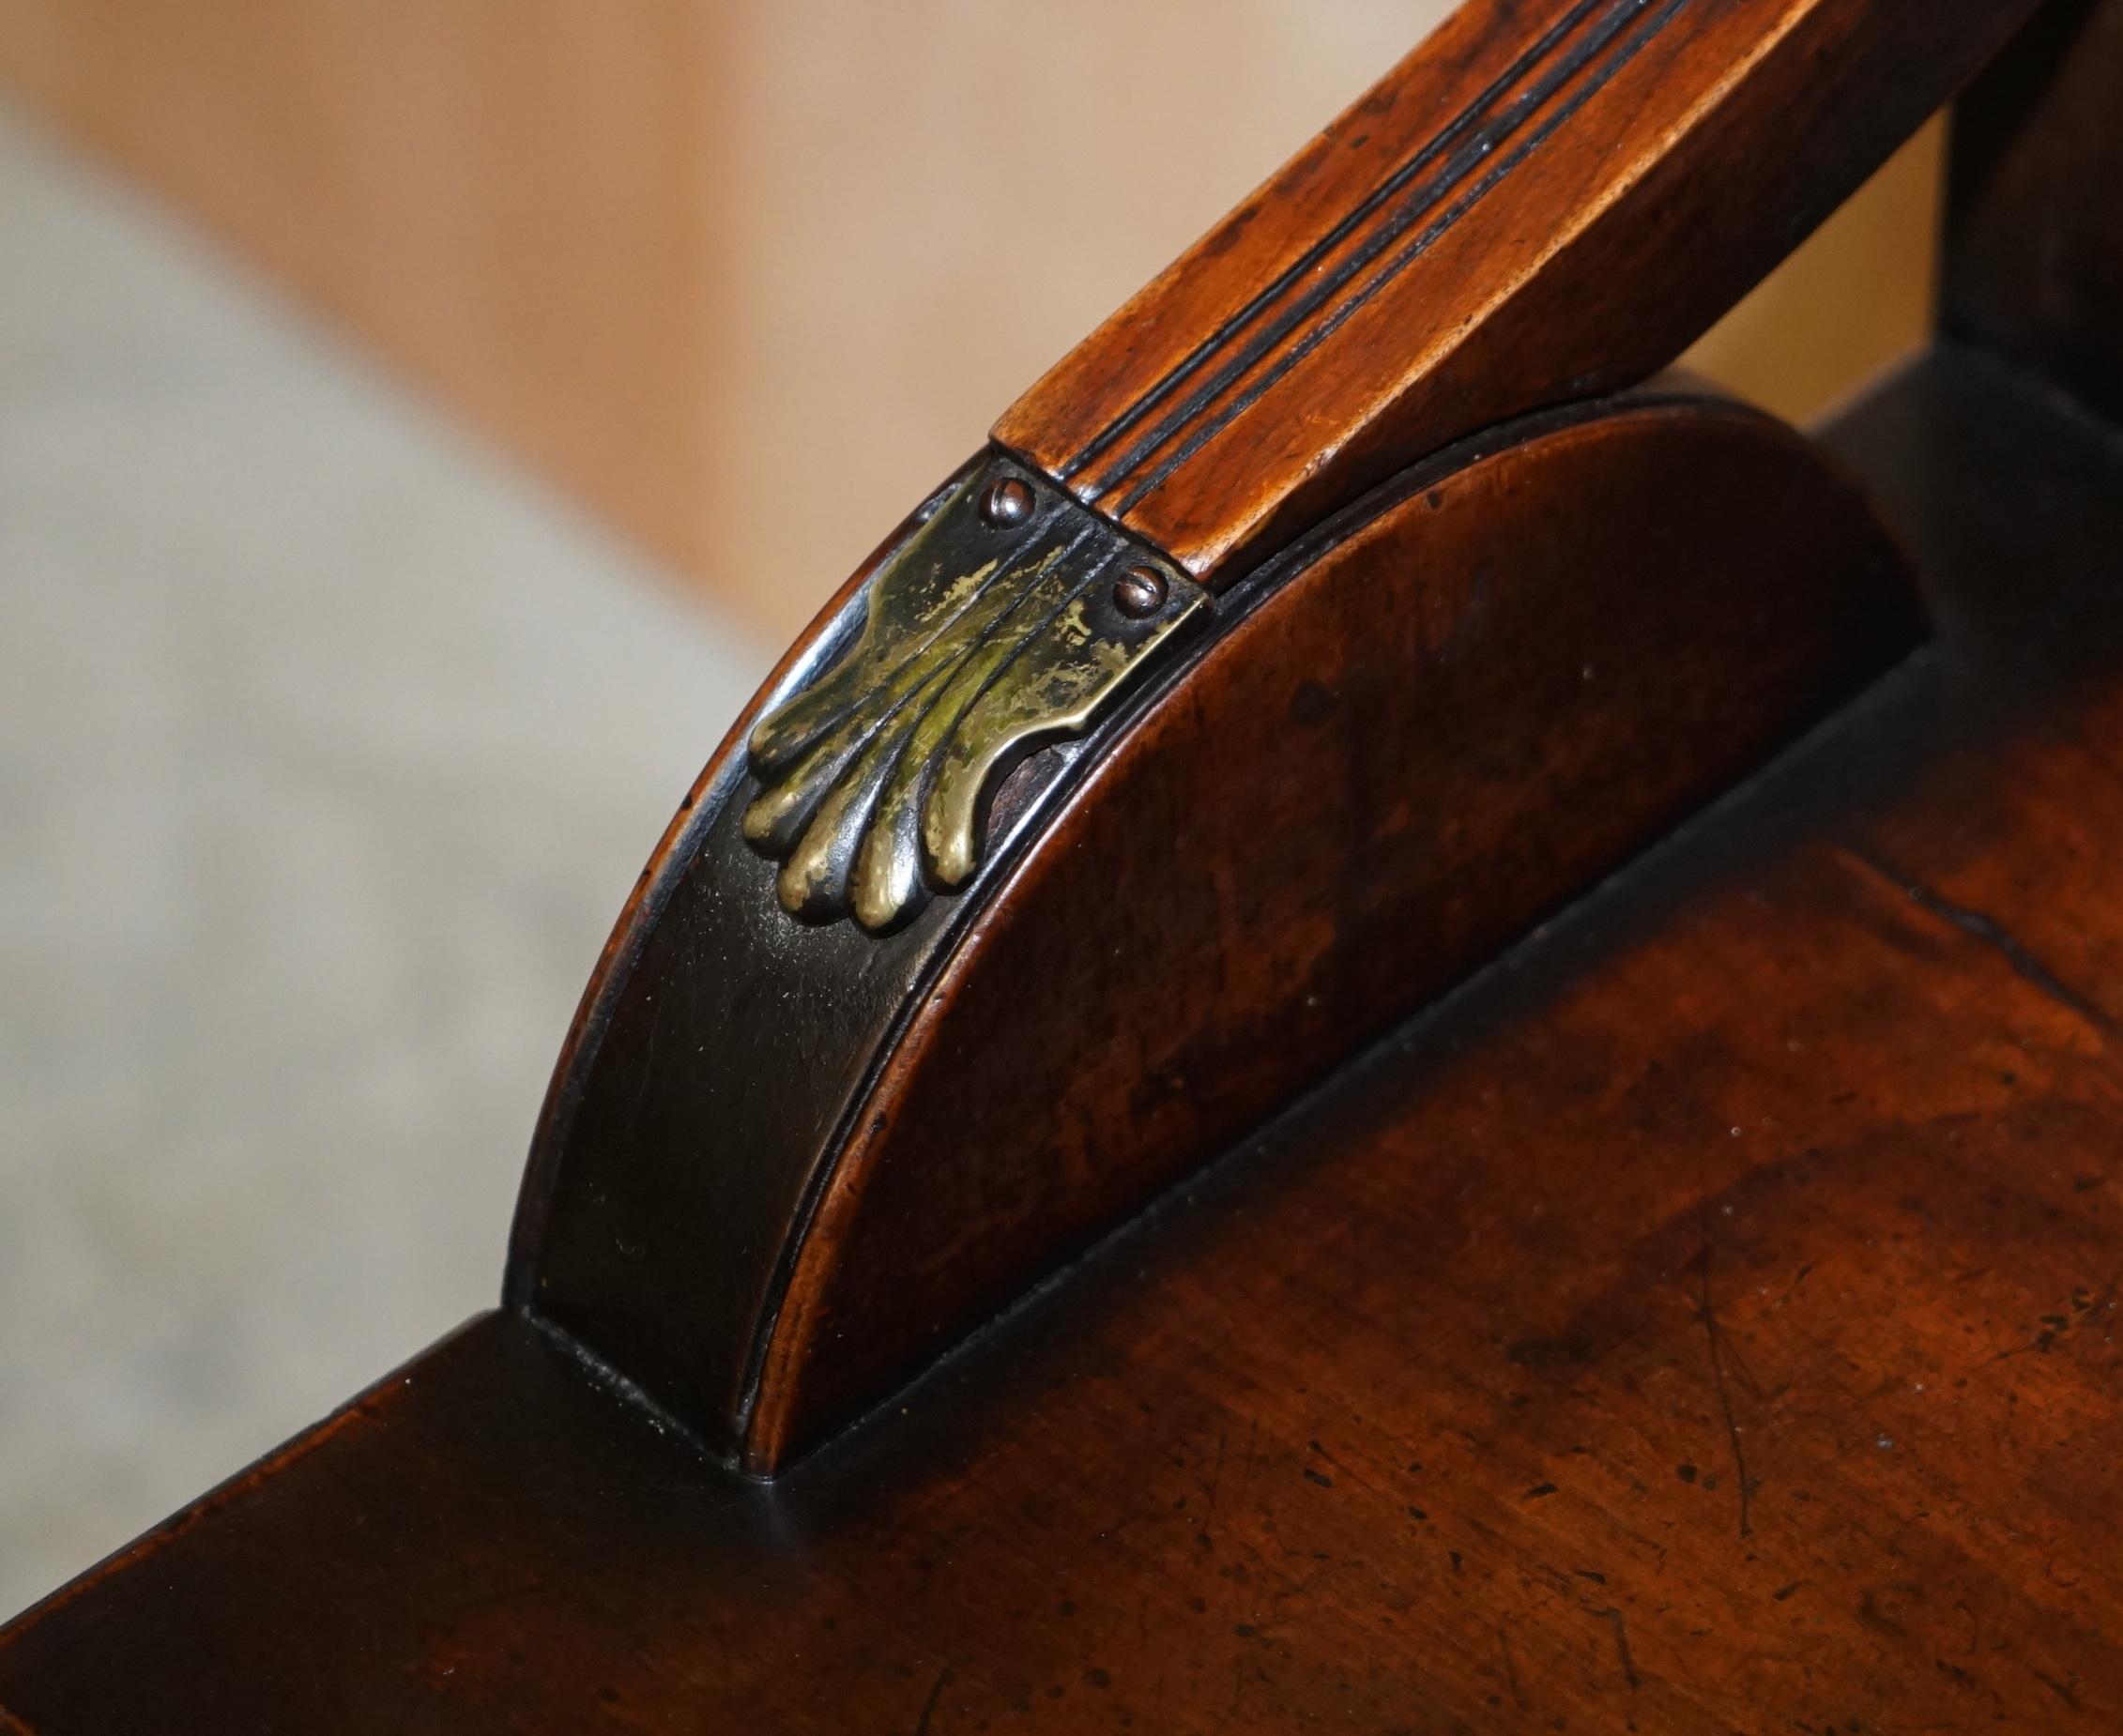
{"x": 613, "y": 1220}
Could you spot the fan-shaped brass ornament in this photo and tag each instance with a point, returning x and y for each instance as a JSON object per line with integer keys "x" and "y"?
{"x": 1008, "y": 621}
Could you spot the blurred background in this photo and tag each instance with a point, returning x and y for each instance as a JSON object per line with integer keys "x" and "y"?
{"x": 421, "y": 421}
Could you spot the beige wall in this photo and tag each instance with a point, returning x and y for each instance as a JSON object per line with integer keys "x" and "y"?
{"x": 1856, "y": 296}
{"x": 747, "y": 279}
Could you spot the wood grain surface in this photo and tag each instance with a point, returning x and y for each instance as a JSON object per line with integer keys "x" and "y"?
{"x": 1569, "y": 169}
{"x": 1705, "y": 1322}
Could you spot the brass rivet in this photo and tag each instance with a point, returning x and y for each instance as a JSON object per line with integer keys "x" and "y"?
{"x": 1006, "y": 503}
{"x": 1139, "y": 592}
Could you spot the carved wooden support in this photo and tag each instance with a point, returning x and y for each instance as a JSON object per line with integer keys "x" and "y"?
{"x": 795, "y": 1163}
{"x": 2033, "y": 254}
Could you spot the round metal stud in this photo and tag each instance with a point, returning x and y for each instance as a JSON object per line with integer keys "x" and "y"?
{"x": 1007, "y": 502}
{"x": 1139, "y": 592}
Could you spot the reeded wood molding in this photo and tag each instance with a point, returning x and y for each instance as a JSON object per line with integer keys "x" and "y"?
{"x": 1543, "y": 202}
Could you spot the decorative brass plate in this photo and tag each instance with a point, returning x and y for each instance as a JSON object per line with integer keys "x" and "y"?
{"x": 1006, "y": 622}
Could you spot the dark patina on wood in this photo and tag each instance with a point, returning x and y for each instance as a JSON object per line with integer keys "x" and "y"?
{"x": 2033, "y": 254}
{"x": 1443, "y": 768}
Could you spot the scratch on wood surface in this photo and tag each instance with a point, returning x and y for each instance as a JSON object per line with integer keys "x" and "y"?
{"x": 1706, "y": 1312}
{"x": 1615, "y": 1619}
{"x": 929, "y": 1705}
{"x": 2026, "y": 963}
{"x": 2065, "y": 1691}
{"x": 1510, "y": 1666}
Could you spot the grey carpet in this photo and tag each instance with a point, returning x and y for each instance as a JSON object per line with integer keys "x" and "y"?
{"x": 329, "y": 747}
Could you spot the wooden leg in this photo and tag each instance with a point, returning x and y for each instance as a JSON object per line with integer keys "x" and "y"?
{"x": 2034, "y": 252}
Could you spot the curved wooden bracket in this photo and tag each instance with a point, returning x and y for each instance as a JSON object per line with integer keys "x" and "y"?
{"x": 1418, "y": 733}
{"x": 786, "y": 1165}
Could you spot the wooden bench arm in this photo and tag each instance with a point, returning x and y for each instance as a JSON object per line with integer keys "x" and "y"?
{"x": 1542, "y": 202}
